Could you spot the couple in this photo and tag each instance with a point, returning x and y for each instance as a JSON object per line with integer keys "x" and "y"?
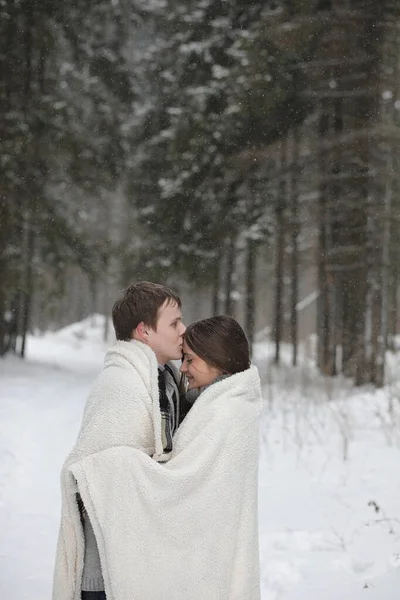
{"x": 159, "y": 494}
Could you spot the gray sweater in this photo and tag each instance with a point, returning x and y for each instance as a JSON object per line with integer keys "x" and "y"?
{"x": 92, "y": 578}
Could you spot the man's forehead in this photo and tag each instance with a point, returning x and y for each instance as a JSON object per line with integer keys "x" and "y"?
{"x": 170, "y": 308}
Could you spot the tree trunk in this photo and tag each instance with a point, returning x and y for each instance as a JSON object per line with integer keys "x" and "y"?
{"x": 387, "y": 215}
{"x": 93, "y": 291}
{"x": 27, "y": 232}
{"x": 392, "y": 325}
{"x": 27, "y": 292}
{"x": 250, "y": 291}
{"x": 4, "y": 233}
{"x": 294, "y": 218}
{"x": 280, "y": 252}
{"x": 230, "y": 270}
{"x": 323, "y": 306}
{"x": 106, "y": 298}
{"x": 216, "y": 282}
{"x": 215, "y": 293}
{"x": 2, "y": 324}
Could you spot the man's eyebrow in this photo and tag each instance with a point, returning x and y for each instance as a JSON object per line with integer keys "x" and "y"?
{"x": 176, "y": 319}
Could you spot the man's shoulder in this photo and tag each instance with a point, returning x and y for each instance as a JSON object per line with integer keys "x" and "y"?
{"x": 123, "y": 348}
{"x": 118, "y": 383}
{"x": 124, "y": 365}
{"x": 130, "y": 354}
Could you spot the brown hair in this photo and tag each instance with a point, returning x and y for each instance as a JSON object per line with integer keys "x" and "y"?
{"x": 140, "y": 302}
{"x": 220, "y": 342}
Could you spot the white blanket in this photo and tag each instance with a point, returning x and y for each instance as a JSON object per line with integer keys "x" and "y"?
{"x": 182, "y": 530}
{"x": 122, "y": 410}
{"x": 187, "y": 529}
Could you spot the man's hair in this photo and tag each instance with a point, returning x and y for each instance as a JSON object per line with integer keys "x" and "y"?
{"x": 140, "y": 302}
{"x": 220, "y": 342}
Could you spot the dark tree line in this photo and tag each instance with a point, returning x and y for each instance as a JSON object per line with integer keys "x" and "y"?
{"x": 274, "y": 121}
{"x": 193, "y": 141}
{"x": 65, "y": 94}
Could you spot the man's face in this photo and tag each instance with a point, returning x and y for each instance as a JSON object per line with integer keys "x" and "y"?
{"x": 167, "y": 340}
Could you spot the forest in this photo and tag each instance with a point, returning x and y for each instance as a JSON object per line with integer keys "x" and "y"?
{"x": 221, "y": 148}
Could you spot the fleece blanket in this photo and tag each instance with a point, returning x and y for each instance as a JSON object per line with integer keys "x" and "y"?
{"x": 122, "y": 410}
{"x": 185, "y": 529}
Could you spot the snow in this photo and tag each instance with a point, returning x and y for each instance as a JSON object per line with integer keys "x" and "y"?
{"x": 329, "y": 477}
{"x": 387, "y": 94}
{"x": 307, "y": 301}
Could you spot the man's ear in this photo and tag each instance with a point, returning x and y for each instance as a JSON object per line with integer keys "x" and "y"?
{"x": 141, "y": 333}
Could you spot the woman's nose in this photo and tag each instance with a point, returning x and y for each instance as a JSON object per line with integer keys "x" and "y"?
{"x": 183, "y": 368}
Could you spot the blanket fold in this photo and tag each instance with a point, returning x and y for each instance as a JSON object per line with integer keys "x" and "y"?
{"x": 122, "y": 409}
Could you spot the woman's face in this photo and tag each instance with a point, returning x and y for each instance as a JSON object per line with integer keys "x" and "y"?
{"x": 198, "y": 373}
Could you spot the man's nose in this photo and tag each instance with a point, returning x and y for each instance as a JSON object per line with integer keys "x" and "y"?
{"x": 183, "y": 328}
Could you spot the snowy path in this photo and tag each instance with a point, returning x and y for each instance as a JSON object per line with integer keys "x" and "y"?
{"x": 318, "y": 534}
{"x": 40, "y": 411}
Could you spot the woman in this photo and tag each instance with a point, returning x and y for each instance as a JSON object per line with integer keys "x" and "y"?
{"x": 189, "y": 526}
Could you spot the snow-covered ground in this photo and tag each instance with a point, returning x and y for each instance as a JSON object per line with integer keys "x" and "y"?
{"x": 329, "y": 472}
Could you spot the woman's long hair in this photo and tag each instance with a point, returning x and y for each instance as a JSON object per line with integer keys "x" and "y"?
{"x": 220, "y": 342}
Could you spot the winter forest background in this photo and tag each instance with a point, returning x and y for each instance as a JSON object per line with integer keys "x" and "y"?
{"x": 247, "y": 154}
{"x": 243, "y": 152}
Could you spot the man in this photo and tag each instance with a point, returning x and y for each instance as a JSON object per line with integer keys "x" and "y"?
{"x": 134, "y": 402}
{"x": 151, "y": 314}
